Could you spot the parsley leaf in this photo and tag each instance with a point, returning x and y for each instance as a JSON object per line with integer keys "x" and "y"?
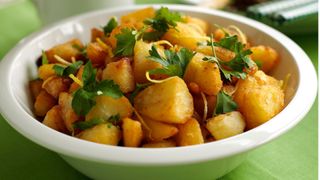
{"x": 174, "y": 63}
{"x": 44, "y": 59}
{"x": 224, "y": 104}
{"x": 84, "y": 98}
{"x": 112, "y": 23}
{"x": 125, "y": 42}
{"x": 83, "y": 125}
{"x": 66, "y": 71}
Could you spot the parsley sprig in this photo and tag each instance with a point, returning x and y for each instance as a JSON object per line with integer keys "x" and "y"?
{"x": 112, "y": 23}
{"x": 236, "y": 66}
{"x": 84, "y": 98}
{"x": 174, "y": 63}
{"x": 163, "y": 20}
{"x": 224, "y": 104}
{"x": 66, "y": 71}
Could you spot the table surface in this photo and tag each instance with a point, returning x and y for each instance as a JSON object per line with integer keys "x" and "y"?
{"x": 292, "y": 156}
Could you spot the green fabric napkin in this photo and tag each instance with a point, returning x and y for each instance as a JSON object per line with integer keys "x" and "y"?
{"x": 293, "y": 156}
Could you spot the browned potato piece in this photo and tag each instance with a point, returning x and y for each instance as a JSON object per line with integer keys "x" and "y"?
{"x": 219, "y": 34}
{"x": 203, "y": 25}
{"x": 67, "y": 113}
{"x": 160, "y": 144}
{"x": 103, "y": 133}
{"x": 137, "y": 17}
{"x": 140, "y": 63}
{"x": 66, "y": 51}
{"x": 205, "y": 74}
{"x": 107, "y": 106}
{"x": 96, "y": 33}
{"x": 132, "y": 132}
{"x": 35, "y": 87}
{"x": 159, "y": 131}
{"x": 222, "y": 53}
{"x": 54, "y": 85}
{"x": 44, "y": 102}
{"x": 96, "y": 53}
{"x": 121, "y": 73}
{"x": 267, "y": 56}
{"x": 45, "y": 71}
{"x": 186, "y": 35}
{"x": 74, "y": 86}
{"x": 54, "y": 120}
{"x": 169, "y": 101}
{"x": 189, "y": 133}
{"x": 259, "y": 98}
{"x": 226, "y": 125}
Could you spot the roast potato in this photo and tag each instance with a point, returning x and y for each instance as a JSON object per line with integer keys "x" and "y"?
{"x": 189, "y": 133}
{"x": 132, "y": 132}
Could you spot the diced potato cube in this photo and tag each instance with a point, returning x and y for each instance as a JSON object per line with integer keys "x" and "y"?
{"x": 136, "y": 18}
{"x": 55, "y": 85}
{"x": 67, "y": 112}
{"x": 44, "y": 102}
{"x": 205, "y": 74}
{"x": 96, "y": 53}
{"x": 226, "y": 125}
{"x": 259, "y": 98}
{"x": 121, "y": 73}
{"x": 140, "y": 62}
{"x": 169, "y": 101}
{"x": 53, "y": 119}
{"x": 105, "y": 133}
{"x": 96, "y": 33}
{"x": 186, "y": 35}
{"x": 158, "y": 131}
{"x": 160, "y": 144}
{"x": 222, "y": 53}
{"x": 75, "y": 86}
{"x": 189, "y": 133}
{"x": 107, "y": 106}
{"x": 132, "y": 132}
{"x": 35, "y": 87}
{"x": 66, "y": 51}
{"x": 45, "y": 71}
{"x": 267, "y": 56}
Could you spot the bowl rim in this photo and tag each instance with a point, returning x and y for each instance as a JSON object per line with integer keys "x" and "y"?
{"x": 305, "y": 95}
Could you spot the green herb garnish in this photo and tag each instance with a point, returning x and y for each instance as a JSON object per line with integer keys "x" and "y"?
{"x": 44, "y": 59}
{"x": 84, "y": 98}
{"x": 224, "y": 104}
{"x": 66, "y": 71}
{"x": 112, "y": 23}
{"x": 125, "y": 42}
{"x": 174, "y": 63}
{"x": 83, "y": 125}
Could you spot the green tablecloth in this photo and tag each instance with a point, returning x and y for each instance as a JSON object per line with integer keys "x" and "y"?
{"x": 293, "y": 156}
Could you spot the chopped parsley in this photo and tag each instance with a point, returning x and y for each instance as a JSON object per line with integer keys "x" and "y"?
{"x": 224, "y": 104}
{"x": 83, "y": 125}
{"x": 125, "y": 42}
{"x": 44, "y": 59}
{"x": 112, "y": 23}
{"x": 66, "y": 71}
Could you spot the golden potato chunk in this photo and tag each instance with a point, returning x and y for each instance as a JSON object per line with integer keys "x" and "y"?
{"x": 35, "y": 87}
{"x": 266, "y": 56}
{"x": 54, "y": 85}
{"x": 160, "y": 144}
{"x": 45, "y": 71}
{"x": 132, "y": 132}
{"x": 159, "y": 131}
{"x": 121, "y": 73}
{"x": 226, "y": 125}
{"x": 44, "y": 102}
{"x": 222, "y": 53}
{"x": 259, "y": 98}
{"x": 189, "y": 133}
{"x": 105, "y": 133}
{"x": 137, "y": 17}
{"x": 96, "y": 33}
{"x": 66, "y": 51}
{"x": 140, "y": 62}
{"x": 205, "y": 74}
{"x": 169, "y": 101}
{"x": 75, "y": 86}
{"x": 96, "y": 53}
{"x": 186, "y": 35}
{"x": 53, "y": 119}
{"x": 203, "y": 25}
{"x": 107, "y": 106}
{"x": 67, "y": 112}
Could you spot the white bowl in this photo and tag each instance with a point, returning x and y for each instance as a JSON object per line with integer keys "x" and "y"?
{"x": 206, "y": 161}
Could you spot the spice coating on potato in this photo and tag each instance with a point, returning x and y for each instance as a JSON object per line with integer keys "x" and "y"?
{"x": 121, "y": 73}
{"x": 55, "y": 85}
{"x": 96, "y": 53}
{"x": 35, "y": 87}
{"x": 105, "y": 133}
{"x": 53, "y": 119}
{"x": 137, "y": 17}
{"x": 199, "y": 22}
{"x": 226, "y": 125}
{"x": 158, "y": 131}
{"x": 265, "y": 55}
{"x": 189, "y": 133}
{"x": 44, "y": 102}
{"x": 45, "y": 71}
{"x": 169, "y": 101}
{"x": 68, "y": 114}
{"x": 259, "y": 98}
{"x": 205, "y": 74}
{"x": 66, "y": 51}
{"x": 132, "y": 132}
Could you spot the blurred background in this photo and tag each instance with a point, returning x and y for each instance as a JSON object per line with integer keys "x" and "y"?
{"x": 22, "y": 159}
